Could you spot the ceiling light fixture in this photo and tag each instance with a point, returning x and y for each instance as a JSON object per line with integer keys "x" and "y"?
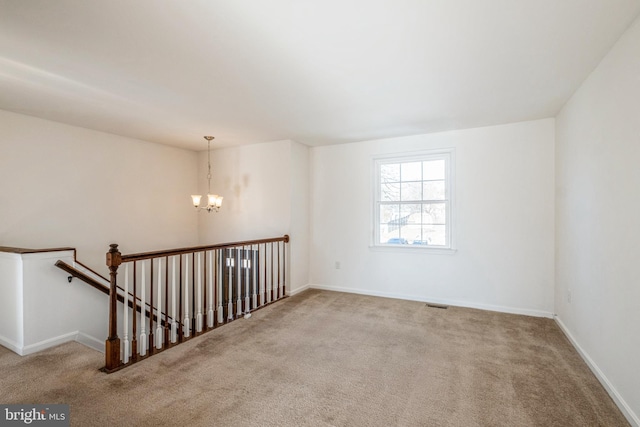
{"x": 214, "y": 202}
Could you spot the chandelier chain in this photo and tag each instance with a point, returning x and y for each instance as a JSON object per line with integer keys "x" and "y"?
{"x": 209, "y": 163}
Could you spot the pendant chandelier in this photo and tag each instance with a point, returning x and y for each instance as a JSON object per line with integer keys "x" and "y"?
{"x": 214, "y": 202}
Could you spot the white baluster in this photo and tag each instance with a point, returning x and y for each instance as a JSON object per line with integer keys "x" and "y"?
{"x": 247, "y": 269}
{"x": 125, "y": 316}
{"x": 158, "y": 310}
{"x": 276, "y": 271}
{"x": 187, "y": 322}
{"x": 143, "y": 318}
{"x": 219, "y": 287}
{"x": 230, "y": 264}
{"x": 239, "y": 285}
{"x": 254, "y": 264}
{"x": 263, "y": 280}
{"x": 282, "y": 276}
{"x": 199, "y": 315}
{"x": 270, "y": 276}
{"x": 174, "y": 316}
{"x": 210, "y": 293}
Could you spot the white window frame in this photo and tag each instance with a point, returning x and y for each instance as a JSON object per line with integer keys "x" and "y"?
{"x": 448, "y": 155}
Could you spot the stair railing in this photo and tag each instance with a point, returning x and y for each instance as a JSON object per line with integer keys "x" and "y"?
{"x": 187, "y": 292}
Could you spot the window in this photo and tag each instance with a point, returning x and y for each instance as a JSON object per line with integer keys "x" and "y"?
{"x": 413, "y": 200}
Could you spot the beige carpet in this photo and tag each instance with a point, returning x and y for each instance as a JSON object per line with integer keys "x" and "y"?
{"x": 332, "y": 359}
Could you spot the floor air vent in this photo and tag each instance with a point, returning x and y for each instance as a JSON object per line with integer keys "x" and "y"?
{"x": 440, "y": 306}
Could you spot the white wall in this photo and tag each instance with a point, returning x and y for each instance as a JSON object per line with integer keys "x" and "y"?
{"x": 11, "y": 317}
{"x": 265, "y": 190}
{"x": 300, "y": 212}
{"x": 41, "y": 309}
{"x": 598, "y": 230}
{"x": 504, "y": 223}
{"x": 255, "y": 183}
{"x": 62, "y": 185}
{"x": 57, "y": 311}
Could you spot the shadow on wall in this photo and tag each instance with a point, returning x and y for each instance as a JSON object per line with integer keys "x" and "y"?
{"x": 236, "y": 186}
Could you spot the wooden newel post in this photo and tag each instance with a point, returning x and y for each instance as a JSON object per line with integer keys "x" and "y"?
{"x": 112, "y": 345}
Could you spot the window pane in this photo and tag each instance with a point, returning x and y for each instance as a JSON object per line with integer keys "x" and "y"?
{"x": 413, "y": 213}
{"x": 433, "y": 190}
{"x": 389, "y": 213}
{"x": 420, "y": 241}
{"x": 434, "y": 235}
{"x": 433, "y": 169}
{"x": 386, "y": 235}
{"x": 405, "y": 212}
{"x": 411, "y": 171}
{"x": 390, "y": 172}
{"x": 410, "y": 233}
{"x": 396, "y": 241}
{"x": 390, "y": 192}
{"x": 434, "y": 213}
{"x": 391, "y": 233}
{"x": 411, "y": 191}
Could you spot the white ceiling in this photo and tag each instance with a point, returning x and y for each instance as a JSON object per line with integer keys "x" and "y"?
{"x": 318, "y": 72}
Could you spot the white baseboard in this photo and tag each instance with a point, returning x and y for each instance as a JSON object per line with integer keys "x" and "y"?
{"x": 90, "y": 342}
{"x": 295, "y": 291}
{"x": 80, "y": 337}
{"x": 51, "y": 342}
{"x": 11, "y": 345}
{"x": 466, "y": 304}
{"x": 633, "y": 418}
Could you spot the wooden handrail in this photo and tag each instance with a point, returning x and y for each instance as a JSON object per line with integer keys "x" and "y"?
{"x": 170, "y": 252}
{"x": 91, "y": 270}
{"x": 82, "y": 276}
{"x": 103, "y": 288}
{"x": 12, "y": 250}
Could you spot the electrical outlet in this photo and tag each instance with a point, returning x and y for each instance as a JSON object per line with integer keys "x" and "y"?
{"x": 337, "y": 265}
